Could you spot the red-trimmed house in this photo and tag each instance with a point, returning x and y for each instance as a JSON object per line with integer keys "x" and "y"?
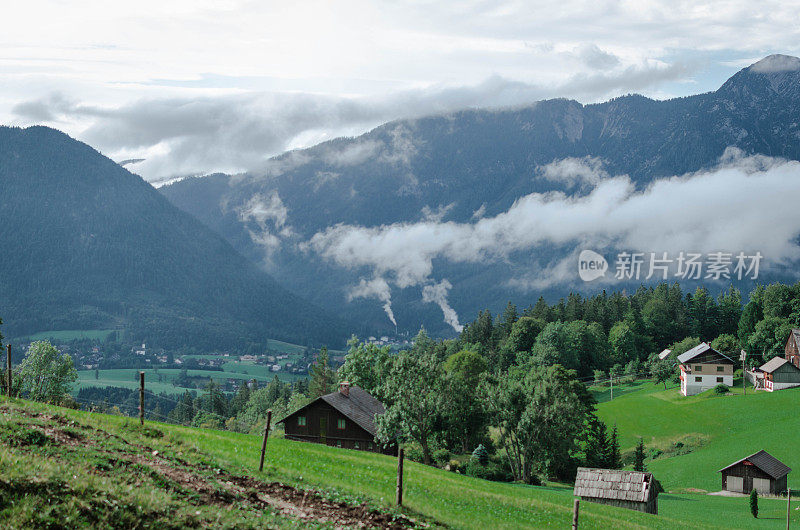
{"x": 703, "y": 368}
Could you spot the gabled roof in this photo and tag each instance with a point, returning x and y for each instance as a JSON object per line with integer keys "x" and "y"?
{"x": 613, "y": 484}
{"x": 775, "y": 363}
{"x": 766, "y": 463}
{"x": 664, "y": 354}
{"x": 796, "y": 336}
{"x": 697, "y": 350}
{"x": 359, "y": 406}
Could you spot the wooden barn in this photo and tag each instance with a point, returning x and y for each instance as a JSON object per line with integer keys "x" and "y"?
{"x": 777, "y": 374}
{"x": 760, "y": 471}
{"x": 345, "y": 418}
{"x": 634, "y": 490}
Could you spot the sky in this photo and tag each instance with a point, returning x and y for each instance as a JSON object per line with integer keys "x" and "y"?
{"x": 194, "y": 87}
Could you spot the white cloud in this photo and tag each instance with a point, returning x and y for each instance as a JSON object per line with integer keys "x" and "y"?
{"x": 739, "y": 206}
{"x": 574, "y": 171}
{"x": 269, "y": 215}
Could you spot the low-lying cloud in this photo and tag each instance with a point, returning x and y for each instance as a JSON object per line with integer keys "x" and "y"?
{"x": 740, "y": 205}
{"x": 235, "y": 133}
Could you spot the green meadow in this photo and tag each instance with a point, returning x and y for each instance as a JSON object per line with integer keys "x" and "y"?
{"x": 701, "y": 434}
{"x": 431, "y": 494}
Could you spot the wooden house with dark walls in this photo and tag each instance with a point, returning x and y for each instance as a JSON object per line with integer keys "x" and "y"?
{"x": 792, "y": 349}
{"x": 635, "y": 490}
{"x": 345, "y": 418}
{"x": 760, "y": 471}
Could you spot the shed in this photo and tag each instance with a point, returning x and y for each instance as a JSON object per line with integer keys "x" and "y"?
{"x": 760, "y": 471}
{"x": 345, "y": 418}
{"x": 664, "y": 354}
{"x": 779, "y": 373}
{"x": 635, "y": 490}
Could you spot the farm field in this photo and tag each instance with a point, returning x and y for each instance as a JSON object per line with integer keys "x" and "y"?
{"x": 431, "y": 494}
{"x": 714, "y": 430}
{"x": 128, "y": 377}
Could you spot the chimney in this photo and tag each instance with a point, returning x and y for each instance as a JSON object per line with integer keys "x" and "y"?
{"x": 344, "y": 388}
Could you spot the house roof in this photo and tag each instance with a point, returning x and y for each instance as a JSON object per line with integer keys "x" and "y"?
{"x": 613, "y": 484}
{"x": 360, "y": 406}
{"x": 766, "y": 463}
{"x": 664, "y": 354}
{"x": 775, "y": 363}
{"x": 697, "y": 350}
{"x": 796, "y": 336}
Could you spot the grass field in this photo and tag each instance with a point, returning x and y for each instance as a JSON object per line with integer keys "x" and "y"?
{"x": 715, "y": 430}
{"x": 70, "y": 334}
{"x": 128, "y": 378}
{"x": 431, "y": 494}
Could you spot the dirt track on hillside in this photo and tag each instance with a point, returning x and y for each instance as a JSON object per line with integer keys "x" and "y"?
{"x": 214, "y": 486}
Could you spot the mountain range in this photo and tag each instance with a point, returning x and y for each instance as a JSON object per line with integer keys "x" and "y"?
{"x": 88, "y": 245}
{"x": 367, "y": 224}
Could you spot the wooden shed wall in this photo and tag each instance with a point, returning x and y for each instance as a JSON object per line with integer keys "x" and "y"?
{"x": 748, "y": 473}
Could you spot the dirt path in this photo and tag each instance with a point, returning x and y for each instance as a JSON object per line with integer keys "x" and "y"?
{"x": 214, "y": 486}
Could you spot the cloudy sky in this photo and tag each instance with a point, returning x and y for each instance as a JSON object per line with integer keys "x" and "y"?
{"x": 198, "y": 86}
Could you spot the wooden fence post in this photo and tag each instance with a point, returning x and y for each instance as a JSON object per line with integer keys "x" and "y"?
{"x": 788, "y": 507}
{"x": 141, "y": 398}
{"x": 575, "y": 510}
{"x": 264, "y": 442}
{"x": 8, "y": 371}
{"x": 400, "y": 476}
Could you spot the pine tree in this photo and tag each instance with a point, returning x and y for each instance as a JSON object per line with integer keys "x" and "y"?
{"x": 481, "y": 455}
{"x": 597, "y": 444}
{"x": 321, "y": 376}
{"x": 754, "y": 503}
{"x": 614, "y": 460}
{"x": 638, "y": 457}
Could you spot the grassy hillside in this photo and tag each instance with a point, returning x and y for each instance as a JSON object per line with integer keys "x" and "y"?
{"x": 100, "y": 470}
{"x": 714, "y": 430}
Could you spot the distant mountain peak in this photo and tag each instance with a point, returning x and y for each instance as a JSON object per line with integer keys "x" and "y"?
{"x": 776, "y": 63}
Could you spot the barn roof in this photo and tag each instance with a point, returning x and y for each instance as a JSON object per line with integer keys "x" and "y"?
{"x": 766, "y": 463}
{"x": 697, "y": 350}
{"x": 359, "y": 405}
{"x": 613, "y": 484}
{"x": 774, "y": 363}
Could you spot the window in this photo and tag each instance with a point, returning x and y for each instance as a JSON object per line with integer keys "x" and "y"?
{"x": 698, "y": 368}
{"x": 720, "y": 368}
{"x": 355, "y": 445}
{"x": 719, "y": 379}
{"x": 301, "y": 421}
{"x": 698, "y": 379}
{"x": 340, "y": 424}
{"x": 338, "y": 443}
{"x": 369, "y": 446}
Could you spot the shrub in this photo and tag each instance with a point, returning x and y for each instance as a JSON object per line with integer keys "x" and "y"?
{"x": 491, "y": 471}
{"x": 481, "y": 455}
{"x": 441, "y": 456}
{"x": 721, "y": 389}
{"x": 413, "y": 452}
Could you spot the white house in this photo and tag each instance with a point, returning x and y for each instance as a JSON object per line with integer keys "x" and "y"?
{"x": 703, "y": 368}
